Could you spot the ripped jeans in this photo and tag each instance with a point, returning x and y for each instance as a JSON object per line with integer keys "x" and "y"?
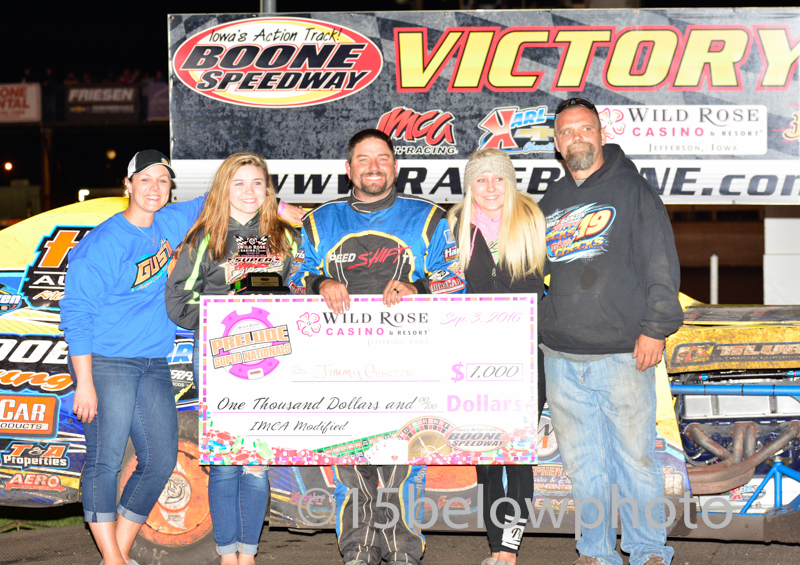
{"x": 238, "y": 497}
{"x": 604, "y": 416}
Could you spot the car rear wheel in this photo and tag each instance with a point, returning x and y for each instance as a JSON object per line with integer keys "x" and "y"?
{"x": 178, "y": 530}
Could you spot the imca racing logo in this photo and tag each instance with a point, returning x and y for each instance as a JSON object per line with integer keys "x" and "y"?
{"x": 517, "y": 131}
{"x": 431, "y": 132}
{"x": 277, "y": 62}
{"x": 476, "y": 438}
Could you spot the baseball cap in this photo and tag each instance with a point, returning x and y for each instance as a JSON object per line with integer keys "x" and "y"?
{"x": 146, "y": 159}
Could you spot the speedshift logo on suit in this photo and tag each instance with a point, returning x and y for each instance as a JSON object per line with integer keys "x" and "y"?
{"x": 579, "y": 232}
{"x": 383, "y": 256}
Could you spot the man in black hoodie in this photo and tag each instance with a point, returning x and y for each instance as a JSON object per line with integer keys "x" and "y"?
{"x": 613, "y": 299}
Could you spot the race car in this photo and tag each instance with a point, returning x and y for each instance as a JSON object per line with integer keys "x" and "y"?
{"x": 733, "y": 416}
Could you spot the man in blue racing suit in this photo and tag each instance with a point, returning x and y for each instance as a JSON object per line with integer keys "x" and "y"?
{"x": 376, "y": 241}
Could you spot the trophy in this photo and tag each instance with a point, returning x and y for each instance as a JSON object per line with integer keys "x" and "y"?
{"x": 260, "y": 283}
{"x": 253, "y": 269}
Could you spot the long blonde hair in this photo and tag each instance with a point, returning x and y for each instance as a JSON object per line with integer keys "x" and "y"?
{"x": 521, "y": 243}
{"x": 215, "y": 216}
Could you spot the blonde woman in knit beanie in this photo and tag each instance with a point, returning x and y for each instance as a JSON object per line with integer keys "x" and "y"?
{"x": 500, "y": 234}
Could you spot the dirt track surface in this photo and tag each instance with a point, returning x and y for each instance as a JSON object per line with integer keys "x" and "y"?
{"x": 72, "y": 545}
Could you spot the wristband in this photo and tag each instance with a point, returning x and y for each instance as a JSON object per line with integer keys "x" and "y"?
{"x": 281, "y": 208}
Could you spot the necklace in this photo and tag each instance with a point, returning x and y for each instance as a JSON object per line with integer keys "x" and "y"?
{"x": 152, "y": 239}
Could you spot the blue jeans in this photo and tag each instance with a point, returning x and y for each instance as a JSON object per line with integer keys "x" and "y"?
{"x": 134, "y": 398}
{"x": 604, "y": 416}
{"x": 237, "y": 496}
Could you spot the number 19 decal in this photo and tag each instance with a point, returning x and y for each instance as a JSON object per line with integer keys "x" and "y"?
{"x": 594, "y": 223}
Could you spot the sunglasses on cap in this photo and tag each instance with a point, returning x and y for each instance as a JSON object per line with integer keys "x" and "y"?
{"x": 574, "y": 102}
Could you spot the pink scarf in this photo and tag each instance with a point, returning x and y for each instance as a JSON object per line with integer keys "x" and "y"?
{"x": 490, "y": 228}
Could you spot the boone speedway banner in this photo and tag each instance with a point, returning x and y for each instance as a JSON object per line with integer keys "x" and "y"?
{"x": 704, "y": 101}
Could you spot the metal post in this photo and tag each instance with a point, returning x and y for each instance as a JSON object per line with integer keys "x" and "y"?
{"x": 47, "y": 167}
{"x": 714, "y": 279}
{"x": 269, "y": 6}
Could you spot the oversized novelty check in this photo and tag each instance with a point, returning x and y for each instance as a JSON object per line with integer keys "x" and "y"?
{"x": 437, "y": 380}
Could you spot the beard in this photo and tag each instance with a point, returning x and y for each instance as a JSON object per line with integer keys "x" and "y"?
{"x": 580, "y": 156}
{"x": 373, "y": 189}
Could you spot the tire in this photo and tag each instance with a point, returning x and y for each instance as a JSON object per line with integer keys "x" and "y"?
{"x": 178, "y": 530}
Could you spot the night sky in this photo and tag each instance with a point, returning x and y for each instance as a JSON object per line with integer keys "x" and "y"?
{"x": 100, "y": 36}
{"x": 94, "y": 36}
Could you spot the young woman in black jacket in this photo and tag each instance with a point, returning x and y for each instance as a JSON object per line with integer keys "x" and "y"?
{"x": 240, "y": 207}
{"x": 501, "y": 250}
